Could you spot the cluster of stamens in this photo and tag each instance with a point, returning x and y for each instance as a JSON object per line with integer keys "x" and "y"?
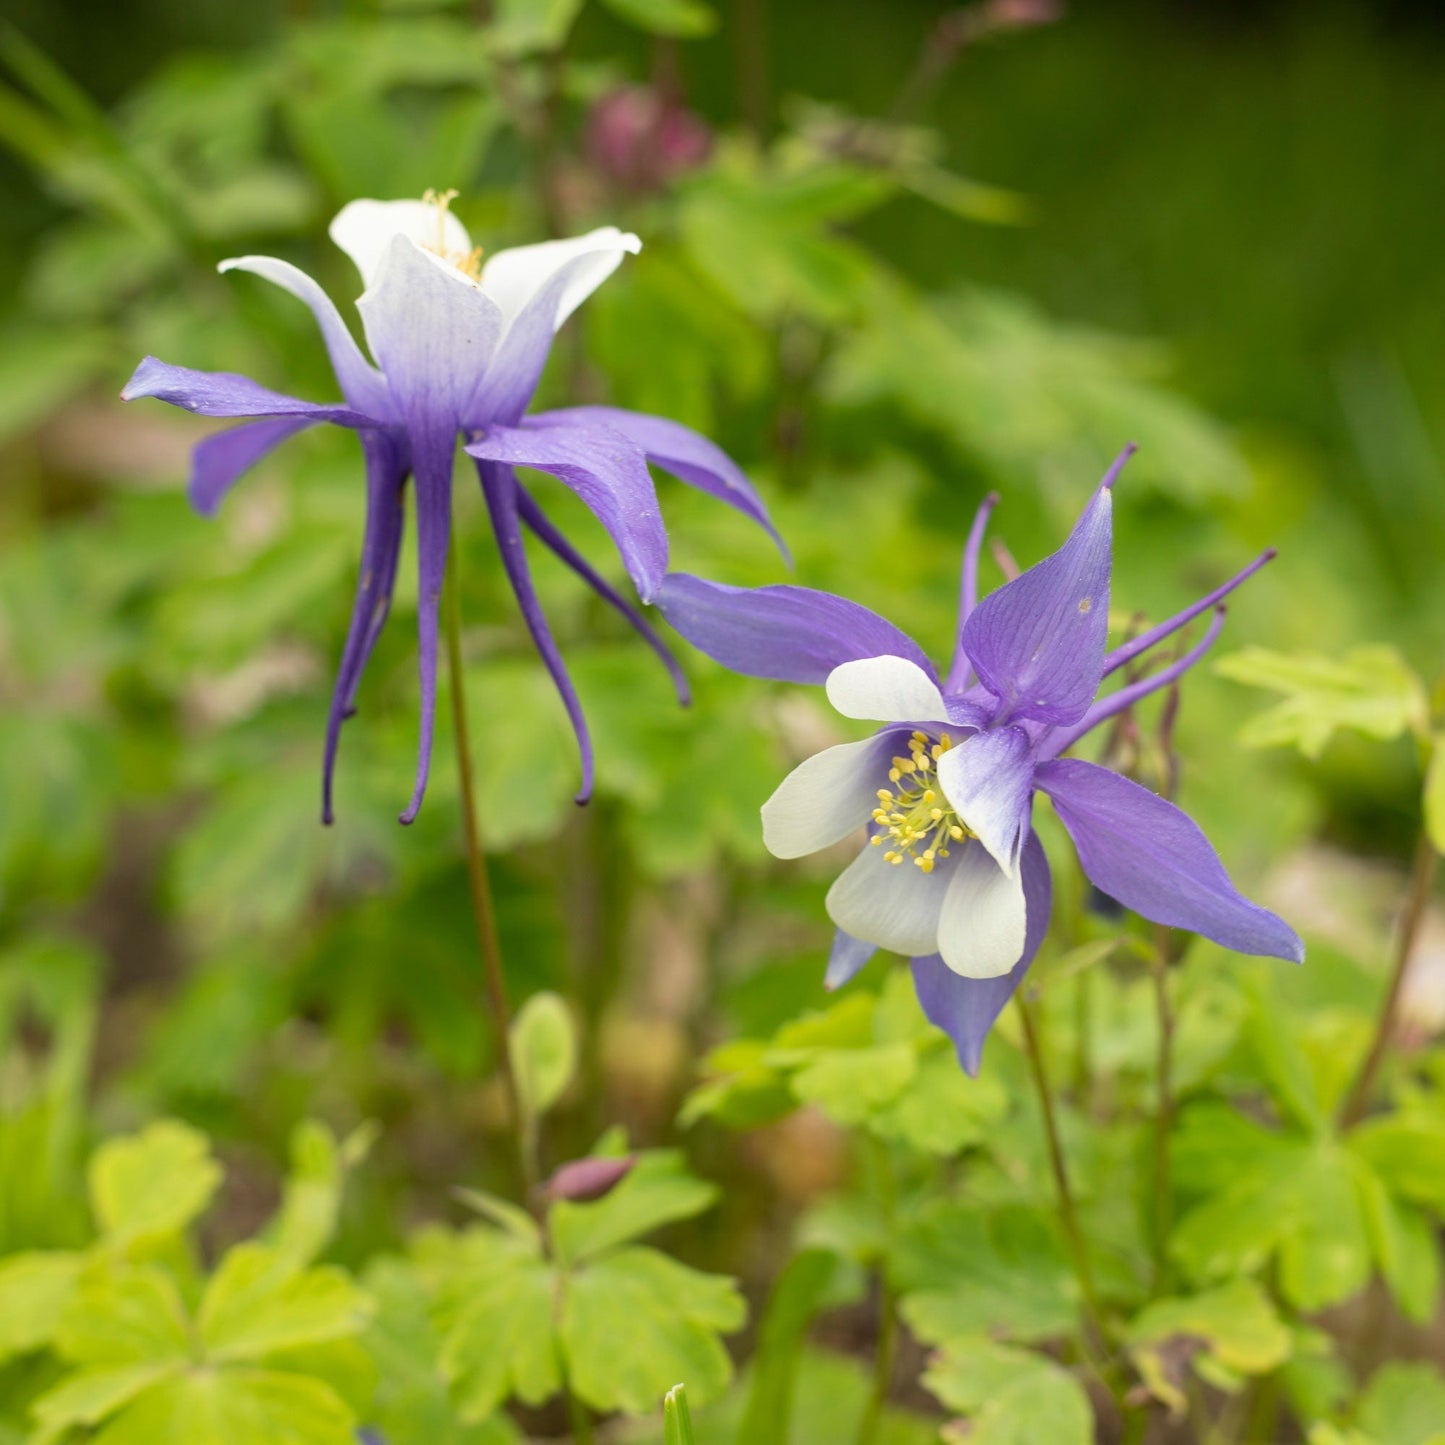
{"x": 913, "y": 816}
{"x": 469, "y": 263}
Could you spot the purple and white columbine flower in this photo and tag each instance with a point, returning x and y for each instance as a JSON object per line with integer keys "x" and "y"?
{"x": 953, "y": 874}
{"x": 459, "y": 346}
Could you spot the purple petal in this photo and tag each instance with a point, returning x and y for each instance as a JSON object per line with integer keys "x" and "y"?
{"x": 224, "y": 393}
{"x": 536, "y": 519}
{"x": 791, "y": 633}
{"x": 961, "y": 669}
{"x": 432, "y": 467}
{"x": 965, "y": 1008}
{"x": 1037, "y": 643}
{"x": 219, "y": 461}
{"x": 989, "y": 780}
{"x": 500, "y": 489}
{"x": 1126, "y": 697}
{"x": 1130, "y": 650}
{"x": 608, "y": 472}
{"x": 846, "y": 958}
{"x": 381, "y": 546}
{"x": 1143, "y": 851}
{"x": 676, "y": 449}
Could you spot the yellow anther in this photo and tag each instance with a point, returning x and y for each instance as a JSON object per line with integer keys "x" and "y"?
{"x": 876, "y": 840}
{"x": 895, "y": 775}
{"x": 936, "y": 814}
{"x": 884, "y": 796}
{"x": 468, "y": 263}
{"x": 956, "y": 833}
{"x": 929, "y": 796}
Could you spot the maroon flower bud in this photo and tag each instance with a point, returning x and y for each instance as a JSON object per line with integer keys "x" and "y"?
{"x": 641, "y": 138}
{"x": 584, "y": 1180}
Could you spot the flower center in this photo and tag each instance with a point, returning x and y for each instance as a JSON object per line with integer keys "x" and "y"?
{"x": 469, "y": 263}
{"x": 914, "y": 815}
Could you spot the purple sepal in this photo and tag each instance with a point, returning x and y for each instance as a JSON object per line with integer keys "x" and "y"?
{"x": 1038, "y": 642}
{"x": 1142, "y": 850}
{"x": 791, "y": 633}
{"x": 500, "y": 489}
{"x": 960, "y": 670}
{"x": 846, "y": 958}
{"x": 219, "y": 461}
{"x": 966, "y": 1008}
{"x": 386, "y": 469}
{"x": 608, "y": 472}
{"x": 226, "y": 393}
{"x": 679, "y": 450}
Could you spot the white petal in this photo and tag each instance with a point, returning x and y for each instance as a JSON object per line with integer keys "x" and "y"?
{"x": 514, "y": 276}
{"x": 885, "y": 689}
{"x": 982, "y": 923}
{"x": 363, "y": 229}
{"x": 895, "y": 906}
{"x": 823, "y": 799}
{"x": 363, "y": 388}
{"x": 433, "y": 338}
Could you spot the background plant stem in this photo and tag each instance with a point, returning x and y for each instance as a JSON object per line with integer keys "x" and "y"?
{"x": 887, "y": 1347}
{"x": 1417, "y": 899}
{"x": 1164, "y": 1115}
{"x": 479, "y": 881}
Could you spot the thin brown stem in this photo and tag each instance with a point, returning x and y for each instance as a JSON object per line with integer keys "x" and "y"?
{"x": 1164, "y": 1115}
{"x": 1068, "y": 1215}
{"x": 483, "y": 908}
{"x": 1417, "y": 899}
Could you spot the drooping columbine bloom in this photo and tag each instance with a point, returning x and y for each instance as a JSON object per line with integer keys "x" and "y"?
{"x": 459, "y": 345}
{"x": 952, "y": 873}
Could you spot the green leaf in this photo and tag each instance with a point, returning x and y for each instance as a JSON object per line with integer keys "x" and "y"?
{"x": 257, "y": 1302}
{"x": 1404, "y": 1404}
{"x": 1433, "y": 801}
{"x": 504, "y": 1214}
{"x": 123, "y": 1316}
{"x": 681, "y": 19}
{"x": 635, "y": 1320}
{"x": 312, "y": 1198}
{"x": 87, "y": 1397}
{"x": 494, "y": 1309}
{"x": 233, "y": 1407}
{"x": 152, "y": 1184}
{"x": 1404, "y": 1246}
{"x": 1405, "y": 1150}
{"x": 1371, "y": 690}
{"x": 35, "y": 1289}
{"x": 848, "y": 1085}
{"x": 659, "y": 1190}
{"x": 1010, "y": 1396}
{"x": 676, "y": 1417}
{"x": 544, "y": 1052}
{"x": 1236, "y": 1325}
{"x": 795, "y": 1299}
{"x": 523, "y": 27}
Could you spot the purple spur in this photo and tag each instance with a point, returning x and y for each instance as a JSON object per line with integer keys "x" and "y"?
{"x": 459, "y": 345}
{"x": 952, "y": 874}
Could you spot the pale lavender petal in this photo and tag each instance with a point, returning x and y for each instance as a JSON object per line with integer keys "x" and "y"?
{"x": 961, "y": 669}
{"x": 432, "y": 330}
{"x": 792, "y": 633}
{"x": 983, "y": 922}
{"x": 1126, "y": 697}
{"x": 219, "y": 461}
{"x": 965, "y": 1008}
{"x": 1143, "y": 851}
{"x": 542, "y": 528}
{"x": 500, "y": 489}
{"x": 380, "y": 548}
{"x": 679, "y": 450}
{"x": 432, "y": 467}
{"x": 608, "y": 472}
{"x": 536, "y": 289}
{"x": 361, "y": 384}
{"x": 1037, "y": 643}
{"x": 892, "y": 905}
{"x": 1130, "y": 650}
{"x": 988, "y": 779}
{"x": 845, "y": 959}
{"x": 225, "y": 393}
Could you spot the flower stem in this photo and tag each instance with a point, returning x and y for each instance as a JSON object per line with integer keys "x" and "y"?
{"x": 580, "y": 1419}
{"x": 483, "y": 908}
{"x": 1417, "y": 899}
{"x": 1164, "y": 1117}
{"x": 886, "y": 1351}
{"x": 1068, "y": 1216}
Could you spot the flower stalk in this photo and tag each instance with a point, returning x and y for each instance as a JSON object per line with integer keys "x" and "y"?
{"x": 1164, "y": 1112}
{"x": 479, "y": 883}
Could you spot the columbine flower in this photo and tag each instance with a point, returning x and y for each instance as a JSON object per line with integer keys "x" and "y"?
{"x": 952, "y": 873}
{"x": 459, "y": 346}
